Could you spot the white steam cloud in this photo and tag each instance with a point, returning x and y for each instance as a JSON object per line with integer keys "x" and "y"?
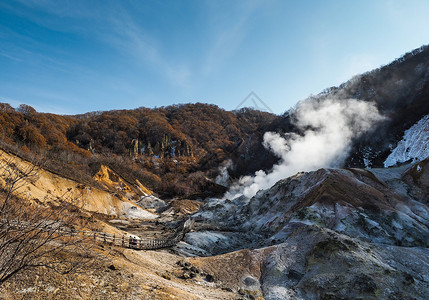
{"x": 223, "y": 176}
{"x": 328, "y": 125}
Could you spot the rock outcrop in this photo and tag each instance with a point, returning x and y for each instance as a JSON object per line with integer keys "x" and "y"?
{"x": 330, "y": 234}
{"x": 50, "y": 187}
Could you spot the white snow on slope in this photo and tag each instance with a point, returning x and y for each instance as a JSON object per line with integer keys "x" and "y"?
{"x": 131, "y": 211}
{"x": 414, "y": 145}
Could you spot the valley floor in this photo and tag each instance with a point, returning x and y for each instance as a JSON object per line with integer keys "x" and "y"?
{"x": 327, "y": 234}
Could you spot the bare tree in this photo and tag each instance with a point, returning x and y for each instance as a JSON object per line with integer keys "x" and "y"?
{"x": 35, "y": 234}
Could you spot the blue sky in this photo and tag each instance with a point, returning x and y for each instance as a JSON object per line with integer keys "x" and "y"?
{"x": 74, "y": 56}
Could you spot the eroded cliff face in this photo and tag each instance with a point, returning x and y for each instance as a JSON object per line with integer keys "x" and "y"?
{"x": 50, "y": 187}
{"x": 341, "y": 233}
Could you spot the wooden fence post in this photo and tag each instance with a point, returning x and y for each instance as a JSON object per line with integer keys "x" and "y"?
{"x": 134, "y": 243}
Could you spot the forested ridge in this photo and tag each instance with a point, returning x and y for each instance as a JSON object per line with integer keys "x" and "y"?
{"x": 176, "y": 150}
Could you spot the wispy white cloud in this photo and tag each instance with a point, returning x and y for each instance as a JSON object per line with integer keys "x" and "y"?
{"x": 12, "y": 102}
{"x": 132, "y": 39}
{"x": 72, "y": 9}
{"x": 51, "y": 107}
{"x": 228, "y": 35}
{"x": 11, "y": 57}
{"x": 114, "y": 25}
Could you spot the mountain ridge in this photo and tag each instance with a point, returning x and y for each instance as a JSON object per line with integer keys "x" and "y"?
{"x": 158, "y": 146}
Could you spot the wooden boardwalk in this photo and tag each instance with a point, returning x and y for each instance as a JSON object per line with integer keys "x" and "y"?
{"x": 126, "y": 240}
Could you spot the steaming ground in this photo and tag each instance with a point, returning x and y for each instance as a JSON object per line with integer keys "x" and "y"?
{"x": 223, "y": 176}
{"x": 328, "y": 127}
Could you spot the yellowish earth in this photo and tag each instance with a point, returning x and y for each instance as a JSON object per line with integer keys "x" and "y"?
{"x": 52, "y": 187}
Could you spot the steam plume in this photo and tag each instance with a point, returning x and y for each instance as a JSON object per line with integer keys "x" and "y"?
{"x": 223, "y": 176}
{"x": 328, "y": 127}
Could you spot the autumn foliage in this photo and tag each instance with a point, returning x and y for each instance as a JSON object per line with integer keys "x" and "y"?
{"x": 172, "y": 149}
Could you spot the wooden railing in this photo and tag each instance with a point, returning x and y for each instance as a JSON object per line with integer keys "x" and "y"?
{"x": 126, "y": 241}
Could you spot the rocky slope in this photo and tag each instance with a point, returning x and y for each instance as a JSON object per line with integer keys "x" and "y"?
{"x": 51, "y": 187}
{"x": 332, "y": 233}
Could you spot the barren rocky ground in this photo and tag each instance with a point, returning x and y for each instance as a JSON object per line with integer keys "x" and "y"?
{"x": 327, "y": 234}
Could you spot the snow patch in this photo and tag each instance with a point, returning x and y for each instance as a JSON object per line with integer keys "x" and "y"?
{"x": 414, "y": 145}
{"x": 131, "y": 211}
{"x": 151, "y": 201}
